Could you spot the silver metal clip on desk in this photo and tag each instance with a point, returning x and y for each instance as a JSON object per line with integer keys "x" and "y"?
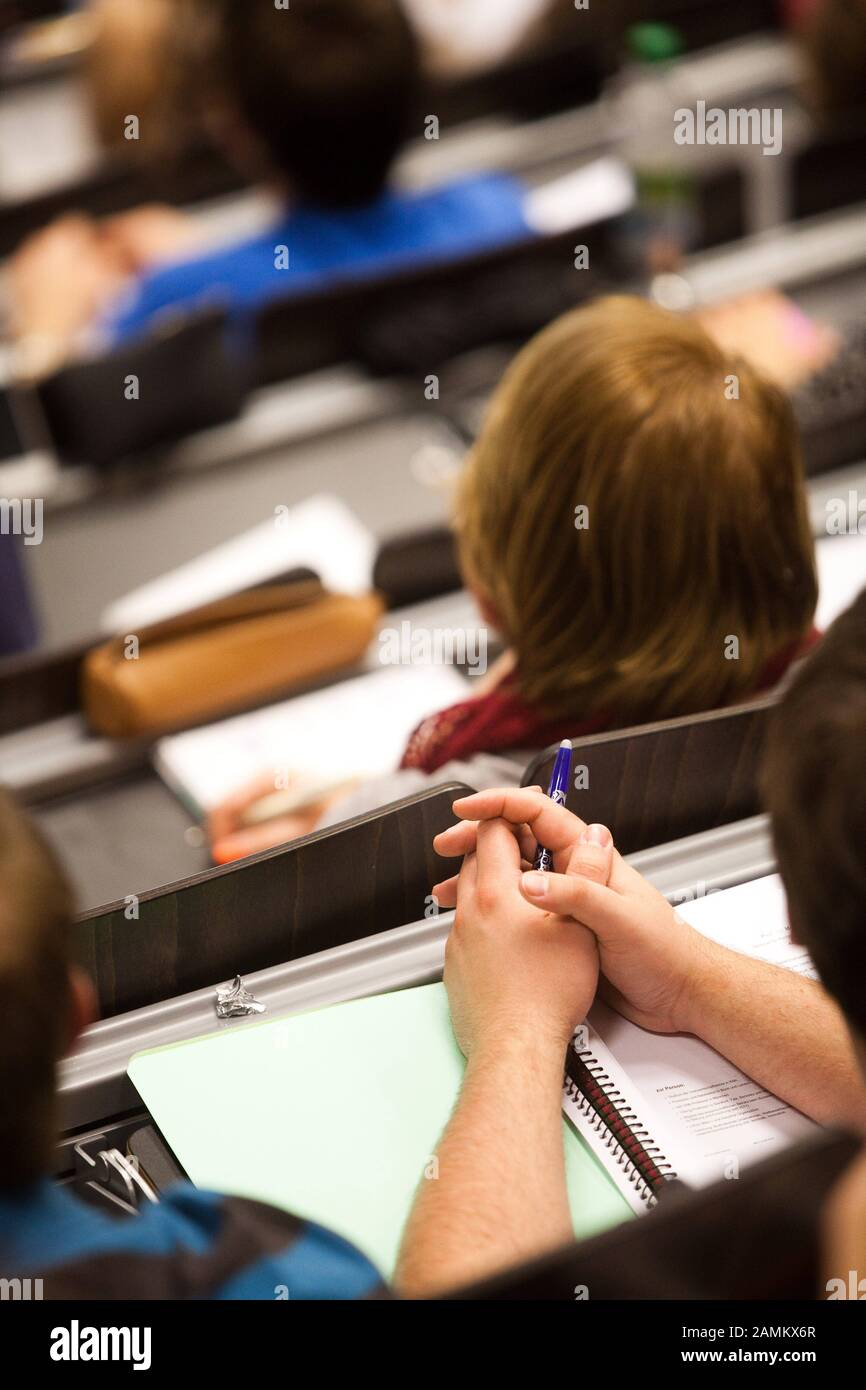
{"x": 111, "y": 1177}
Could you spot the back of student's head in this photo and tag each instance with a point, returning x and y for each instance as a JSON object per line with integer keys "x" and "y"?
{"x": 327, "y": 86}
{"x": 635, "y": 516}
{"x": 815, "y": 791}
{"x": 35, "y": 1004}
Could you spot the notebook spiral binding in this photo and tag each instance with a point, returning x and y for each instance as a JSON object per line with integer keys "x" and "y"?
{"x": 629, "y": 1142}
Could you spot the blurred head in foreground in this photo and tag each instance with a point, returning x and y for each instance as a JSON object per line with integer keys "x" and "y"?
{"x": 46, "y": 1002}
{"x": 815, "y": 791}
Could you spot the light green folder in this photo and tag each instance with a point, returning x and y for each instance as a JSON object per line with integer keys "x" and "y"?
{"x": 334, "y": 1115}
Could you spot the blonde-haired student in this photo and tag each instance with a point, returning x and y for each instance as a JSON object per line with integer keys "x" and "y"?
{"x": 632, "y": 521}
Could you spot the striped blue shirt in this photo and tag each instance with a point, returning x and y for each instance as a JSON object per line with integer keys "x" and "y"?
{"x": 191, "y": 1244}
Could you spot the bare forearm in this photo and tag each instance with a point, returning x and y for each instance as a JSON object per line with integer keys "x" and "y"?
{"x": 498, "y": 1195}
{"x": 784, "y": 1031}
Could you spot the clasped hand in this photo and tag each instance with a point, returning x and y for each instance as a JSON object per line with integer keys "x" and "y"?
{"x": 529, "y": 950}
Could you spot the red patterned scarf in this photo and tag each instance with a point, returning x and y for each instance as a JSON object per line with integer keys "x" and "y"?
{"x": 502, "y": 719}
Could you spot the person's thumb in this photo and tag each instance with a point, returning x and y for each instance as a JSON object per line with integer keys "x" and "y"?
{"x": 583, "y": 896}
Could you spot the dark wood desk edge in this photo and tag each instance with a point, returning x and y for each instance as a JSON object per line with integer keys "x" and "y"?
{"x": 296, "y": 847}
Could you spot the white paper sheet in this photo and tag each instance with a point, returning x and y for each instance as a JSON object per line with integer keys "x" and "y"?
{"x": 841, "y": 575}
{"x": 357, "y": 728}
{"x": 321, "y": 534}
{"x": 599, "y": 190}
{"x": 708, "y": 1118}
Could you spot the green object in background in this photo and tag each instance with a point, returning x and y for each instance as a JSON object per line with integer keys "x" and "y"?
{"x": 334, "y": 1115}
{"x": 654, "y": 43}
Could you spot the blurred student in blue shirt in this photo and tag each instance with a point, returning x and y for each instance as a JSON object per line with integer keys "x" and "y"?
{"x": 317, "y": 100}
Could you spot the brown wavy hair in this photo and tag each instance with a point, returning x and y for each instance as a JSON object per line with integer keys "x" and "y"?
{"x": 697, "y": 529}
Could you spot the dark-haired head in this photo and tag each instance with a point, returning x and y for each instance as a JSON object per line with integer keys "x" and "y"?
{"x": 328, "y": 88}
{"x": 815, "y": 790}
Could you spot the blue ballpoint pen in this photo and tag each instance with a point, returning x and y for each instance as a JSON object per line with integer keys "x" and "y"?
{"x": 558, "y": 792}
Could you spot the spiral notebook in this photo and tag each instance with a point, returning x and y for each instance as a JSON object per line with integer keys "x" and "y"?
{"x": 654, "y": 1107}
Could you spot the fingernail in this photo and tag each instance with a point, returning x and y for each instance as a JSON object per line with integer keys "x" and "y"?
{"x": 597, "y": 835}
{"x": 535, "y": 884}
